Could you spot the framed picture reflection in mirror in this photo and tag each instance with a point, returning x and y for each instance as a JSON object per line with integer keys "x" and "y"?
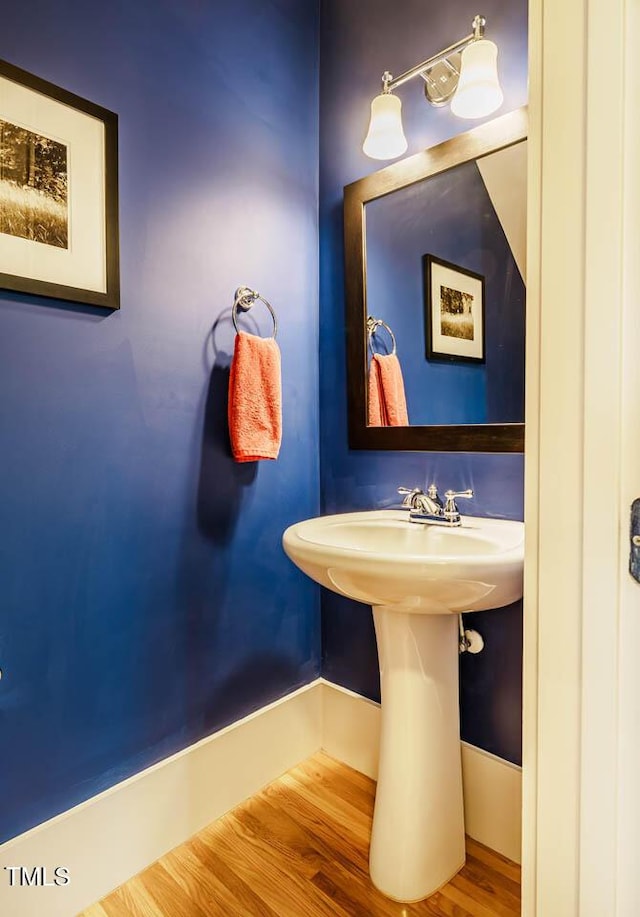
{"x": 454, "y": 312}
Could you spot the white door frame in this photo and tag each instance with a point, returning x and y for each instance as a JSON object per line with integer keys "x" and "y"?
{"x": 583, "y": 293}
{"x": 628, "y": 800}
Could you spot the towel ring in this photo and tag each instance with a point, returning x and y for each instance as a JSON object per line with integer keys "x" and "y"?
{"x": 372, "y": 326}
{"x": 244, "y": 299}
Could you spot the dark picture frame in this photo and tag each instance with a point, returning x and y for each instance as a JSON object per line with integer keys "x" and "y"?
{"x": 59, "y": 233}
{"x": 454, "y": 312}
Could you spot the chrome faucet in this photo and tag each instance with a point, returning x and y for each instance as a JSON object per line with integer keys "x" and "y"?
{"x": 428, "y": 507}
{"x": 417, "y": 501}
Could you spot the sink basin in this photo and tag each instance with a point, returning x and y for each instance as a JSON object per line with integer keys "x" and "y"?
{"x": 416, "y": 577}
{"x": 380, "y": 558}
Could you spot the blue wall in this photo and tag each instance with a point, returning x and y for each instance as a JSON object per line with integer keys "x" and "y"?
{"x": 450, "y": 216}
{"x": 145, "y": 597}
{"x": 357, "y": 43}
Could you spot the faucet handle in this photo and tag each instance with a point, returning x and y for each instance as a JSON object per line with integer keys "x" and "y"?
{"x": 451, "y": 496}
{"x": 409, "y": 494}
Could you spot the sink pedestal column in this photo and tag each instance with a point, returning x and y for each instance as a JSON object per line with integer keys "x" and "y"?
{"x": 417, "y": 841}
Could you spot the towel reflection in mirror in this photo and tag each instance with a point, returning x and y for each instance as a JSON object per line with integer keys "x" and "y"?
{"x": 387, "y": 404}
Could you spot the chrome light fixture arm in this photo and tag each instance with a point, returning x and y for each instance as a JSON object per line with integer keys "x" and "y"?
{"x": 389, "y": 82}
{"x": 464, "y": 75}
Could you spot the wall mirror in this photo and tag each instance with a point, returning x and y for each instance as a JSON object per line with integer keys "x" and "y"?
{"x": 435, "y": 251}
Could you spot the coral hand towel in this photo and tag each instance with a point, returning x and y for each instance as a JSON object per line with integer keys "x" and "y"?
{"x": 387, "y": 401}
{"x": 255, "y": 399}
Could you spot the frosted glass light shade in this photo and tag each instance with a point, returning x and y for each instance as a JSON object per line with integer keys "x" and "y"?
{"x": 385, "y": 137}
{"x": 478, "y": 93}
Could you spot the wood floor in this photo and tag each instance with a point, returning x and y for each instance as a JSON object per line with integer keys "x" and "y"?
{"x": 299, "y": 848}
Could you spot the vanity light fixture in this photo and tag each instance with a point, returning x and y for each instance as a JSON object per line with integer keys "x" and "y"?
{"x": 464, "y": 74}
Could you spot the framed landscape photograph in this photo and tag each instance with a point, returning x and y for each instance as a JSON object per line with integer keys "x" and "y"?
{"x": 58, "y": 192}
{"x": 454, "y": 312}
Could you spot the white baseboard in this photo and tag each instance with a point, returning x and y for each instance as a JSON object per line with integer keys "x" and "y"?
{"x": 350, "y": 728}
{"x": 492, "y": 801}
{"x": 492, "y": 786}
{"x": 114, "y": 835}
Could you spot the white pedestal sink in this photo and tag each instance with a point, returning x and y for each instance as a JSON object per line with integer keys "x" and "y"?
{"x": 416, "y": 577}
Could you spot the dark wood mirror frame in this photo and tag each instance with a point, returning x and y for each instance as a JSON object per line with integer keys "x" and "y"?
{"x": 509, "y": 437}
